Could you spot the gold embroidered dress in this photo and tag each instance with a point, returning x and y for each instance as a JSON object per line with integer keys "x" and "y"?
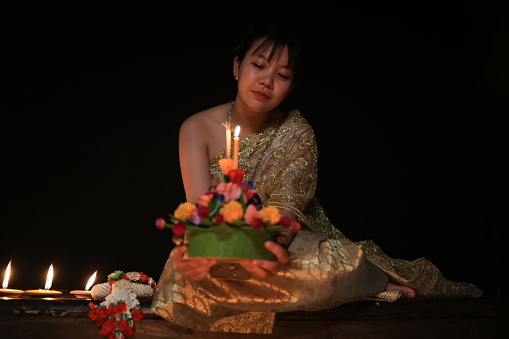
{"x": 325, "y": 269}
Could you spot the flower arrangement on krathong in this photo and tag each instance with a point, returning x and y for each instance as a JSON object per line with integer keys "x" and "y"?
{"x": 120, "y": 309}
{"x": 228, "y": 222}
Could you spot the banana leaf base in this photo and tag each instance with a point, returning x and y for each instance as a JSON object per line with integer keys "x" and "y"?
{"x": 228, "y": 244}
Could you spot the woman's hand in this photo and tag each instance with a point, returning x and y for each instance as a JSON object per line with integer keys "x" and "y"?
{"x": 267, "y": 268}
{"x": 194, "y": 269}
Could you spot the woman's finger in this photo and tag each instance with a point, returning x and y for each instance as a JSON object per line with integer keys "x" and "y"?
{"x": 261, "y": 268}
{"x": 280, "y": 252}
{"x": 177, "y": 253}
{"x": 254, "y": 269}
{"x": 281, "y": 239}
{"x": 270, "y": 266}
{"x": 177, "y": 240}
{"x": 194, "y": 269}
{"x": 196, "y": 273}
{"x": 266, "y": 268}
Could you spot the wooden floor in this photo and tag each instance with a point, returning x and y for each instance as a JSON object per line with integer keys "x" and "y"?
{"x": 487, "y": 317}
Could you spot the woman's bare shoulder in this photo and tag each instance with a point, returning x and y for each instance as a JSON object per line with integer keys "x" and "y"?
{"x": 205, "y": 119}
{"x": 204, "y": 130}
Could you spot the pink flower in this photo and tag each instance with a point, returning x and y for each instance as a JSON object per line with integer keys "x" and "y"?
{"x": 230, "y": 191}
{"x": 160, "y": 223}
{"x": 179, "y": 228}
{"x": 251, "y": 214}
{"x": 295, "y": 226}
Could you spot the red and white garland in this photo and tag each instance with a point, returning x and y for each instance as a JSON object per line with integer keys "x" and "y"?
{"x": 120, "y": 309}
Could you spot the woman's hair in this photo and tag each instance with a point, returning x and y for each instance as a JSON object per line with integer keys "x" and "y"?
{"x": 275, "y": 39}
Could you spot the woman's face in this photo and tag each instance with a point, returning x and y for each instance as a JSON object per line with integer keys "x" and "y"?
{"x": 263, "y": 84}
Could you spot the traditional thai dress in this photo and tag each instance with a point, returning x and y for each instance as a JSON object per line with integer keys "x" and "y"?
{"x": 325, "y": 269}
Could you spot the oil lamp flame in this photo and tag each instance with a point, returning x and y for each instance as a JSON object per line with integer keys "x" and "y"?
{"x": 237, "y": 132}
{"x": 90, "y": 281}
{"x": 7, "y": 275}
{"x": 49, "y": 279}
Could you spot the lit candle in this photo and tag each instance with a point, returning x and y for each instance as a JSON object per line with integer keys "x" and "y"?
{"x": 228, "y": 138}
{"x": 8, "y": 292}
{"x": 86, "y": 294}
{"x": 46, "y": 292}
{"x": 236, "y": 148}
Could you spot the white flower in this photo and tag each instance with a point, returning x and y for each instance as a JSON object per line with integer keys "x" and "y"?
{"x": 122, "y": 291}
{"x": 133, "y": 276}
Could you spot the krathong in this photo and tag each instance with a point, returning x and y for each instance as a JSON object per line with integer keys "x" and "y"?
{"x": 228, "y": 222}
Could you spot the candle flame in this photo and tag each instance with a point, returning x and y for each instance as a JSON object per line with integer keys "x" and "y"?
{"x": 90, "y": 281}
{"x": 237, "y": 132}
{"x": 7, "y": 275}
{"x": 49, "y": 279}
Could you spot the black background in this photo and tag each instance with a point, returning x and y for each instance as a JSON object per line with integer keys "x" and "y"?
{"x": 407, "y": 103}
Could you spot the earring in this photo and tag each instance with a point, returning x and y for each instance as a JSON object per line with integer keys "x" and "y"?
{"x": 235, "y": 76}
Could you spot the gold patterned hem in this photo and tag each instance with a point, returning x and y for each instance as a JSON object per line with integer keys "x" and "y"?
{"x": 388, "y": 296}
{"x": 420, "y": 275}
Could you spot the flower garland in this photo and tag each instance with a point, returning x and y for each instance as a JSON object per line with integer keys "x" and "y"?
{"x": 120, "y": 309}
{"x": 136, "y": 277}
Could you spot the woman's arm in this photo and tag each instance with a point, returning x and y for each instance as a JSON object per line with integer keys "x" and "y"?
{"x": 194, "y": 161}
{"x": 194, "y": 166}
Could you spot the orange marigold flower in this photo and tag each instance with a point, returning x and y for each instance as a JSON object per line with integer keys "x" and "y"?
{"x": 231, "y": 210}
{"x": 270, "y": 213}
{"x": 184, "y": 211}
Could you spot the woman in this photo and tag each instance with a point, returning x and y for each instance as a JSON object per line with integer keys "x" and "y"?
{"x": 316, "y": 269}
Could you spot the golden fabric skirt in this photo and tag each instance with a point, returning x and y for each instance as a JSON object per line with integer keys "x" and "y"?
{"x": 322, "y": 273}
